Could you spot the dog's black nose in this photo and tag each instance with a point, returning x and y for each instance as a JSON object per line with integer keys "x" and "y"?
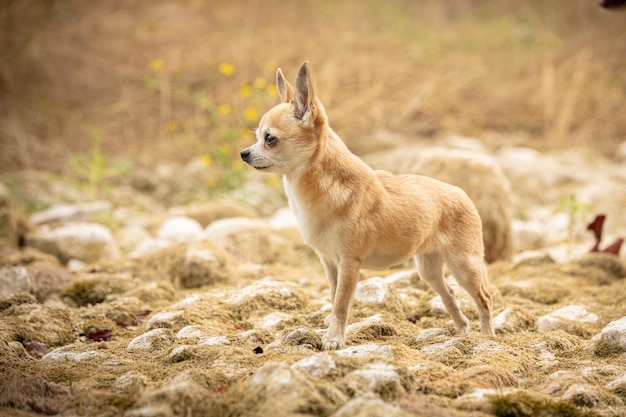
{"x": 245, "y": 154}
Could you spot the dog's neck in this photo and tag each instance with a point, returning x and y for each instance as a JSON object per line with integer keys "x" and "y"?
{"x": 324, "y": 177}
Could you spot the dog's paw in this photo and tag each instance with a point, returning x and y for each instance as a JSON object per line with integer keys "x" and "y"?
{"x": 330, "y": 342}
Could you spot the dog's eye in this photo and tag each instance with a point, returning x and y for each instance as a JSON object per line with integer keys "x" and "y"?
{"x": 270, "y": 140}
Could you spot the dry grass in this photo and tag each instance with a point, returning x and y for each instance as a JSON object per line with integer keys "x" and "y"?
{"x": 146, "y": 75}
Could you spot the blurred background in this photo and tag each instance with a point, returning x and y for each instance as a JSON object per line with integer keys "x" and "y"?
{"x": 86, "y": 82}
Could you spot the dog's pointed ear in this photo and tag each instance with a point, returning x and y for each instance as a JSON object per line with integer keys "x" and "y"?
{"x": 285, "y": 90}
{"x": 304, "y": 95}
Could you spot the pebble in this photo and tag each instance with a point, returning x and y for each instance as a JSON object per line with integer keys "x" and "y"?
{"x": 319, "y": 365}
{"x": 152, "y": 339}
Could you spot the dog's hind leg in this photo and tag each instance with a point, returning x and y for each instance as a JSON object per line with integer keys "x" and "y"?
{"x": 430, "y": 269}
{"x": 471, "y": 273}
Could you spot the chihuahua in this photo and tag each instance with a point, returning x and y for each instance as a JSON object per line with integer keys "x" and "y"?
{"x": 354, "y": 216}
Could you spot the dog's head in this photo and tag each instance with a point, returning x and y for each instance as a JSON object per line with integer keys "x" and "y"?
{"x": 288, "y": 134}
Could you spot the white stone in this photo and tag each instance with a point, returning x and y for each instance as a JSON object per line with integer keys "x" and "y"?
{"x": 431, "y": 333}
{"x": 548, "y": 323}
{"x": 188, "y": 332}
{"x": 149, "y": 246}
{"x": 214, "y": 341}
{"x": 371, "y": 291}
{"x": 575, "y": 313}
{"x": 614, "y": 334}
{"x": 66, "y": 354}
{"x": 318, "y": 365}
{"x": 368, "y": 350}
{"x": 179, "y": 229}
{"x": 150, "y": 339}
{"x": 275, "y": 320}
{"x": 88, "y": 242}
{"x": 374, "y": 376}
{"x": 369, "y": 405}
{"x": 13, "y": 280}
{"x": 70, "y": 213}
{"x": 163, "y": 319}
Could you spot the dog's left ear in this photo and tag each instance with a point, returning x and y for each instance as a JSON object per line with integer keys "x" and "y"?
{"x": 304, "y": 95}
{"x": 285, "y": 90}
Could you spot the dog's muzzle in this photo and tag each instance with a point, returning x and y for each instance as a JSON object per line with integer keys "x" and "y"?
{"x": 245, "y": 155}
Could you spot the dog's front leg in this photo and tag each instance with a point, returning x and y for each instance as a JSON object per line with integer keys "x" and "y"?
{"x": 330, "y": 269}
{"x": 348, "y": 277}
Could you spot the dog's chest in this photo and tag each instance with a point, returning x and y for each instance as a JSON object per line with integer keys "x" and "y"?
{"x": 310, "y": 222}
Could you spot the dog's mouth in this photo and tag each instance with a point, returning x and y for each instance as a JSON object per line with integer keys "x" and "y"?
{"x": 262, "y": 168}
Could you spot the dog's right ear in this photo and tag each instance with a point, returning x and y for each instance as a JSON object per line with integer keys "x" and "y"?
{"x": 285, "y": 90}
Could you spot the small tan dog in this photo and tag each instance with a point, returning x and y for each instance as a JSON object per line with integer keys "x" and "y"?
{"x": 356, "y": 217}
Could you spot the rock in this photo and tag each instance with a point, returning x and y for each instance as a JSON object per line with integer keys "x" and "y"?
{"x": 265, "y": 293}
{"x": 369, "y": 405}
{"x": 207, "y": 213}
{"x": 180, "y": 393}
{"x": 189, "y": 331}
{"x": 303, "y": 337}
{"x": 374, "y": 292}
{"x": 153, "y": 339}
{"x": 67, "y": 353}
{"x": 204, "y": 264}
{"x": 284, "y": 386}
{"x": 214, "y": 341}
{"x": 96, "y": 288}
{"x": 14, "y": 280}
{"x": 379, "y": 378}
{"x": 72, "y": 213}
{"x": 16, "y": 299}
{"x": 179, "y": 229}
{"x": 52, "y": 326}
{"x": 165, "y": 320}
{"x": 513, "y": 320}
{"x": 319, "y": 365}
{"x": 276, "y": 321}
{"x": 88, "y": 242}
{"x": 372, "y": 328}
{"x": 582, "y": 396}
{"x": 368, "y": 350}
{"x": 618, "y": 387}
{"x": 575, "y": 313}
{"x": 613, "y": 336}
{"x": 568, "y": 319}
{"x": 429, "y": 334}
{"x": 34, "y": 395}
{"x": 131, "y": 238}
{"x": 248, "y": 240}
{"x": 131, "y": 382}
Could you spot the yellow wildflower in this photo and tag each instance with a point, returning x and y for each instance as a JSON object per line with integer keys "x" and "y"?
{"x": 251, "y": 114}
{"x": 273, "y": 180}
{"x": 272, "y": 90}
{"x": 271, "y": 66}
{"x": 157, "y": 65}
{"x": 171, "y": 125}
{"x": 206, "y": 160}
{"x": 226, "y": 69}
{"x": 225, "y": 148}
{"x": 247, "y": 134}
{"x": 245, "y": 91}
{"x": 223, "y": 109}
{"x": 260, "y": 83}
{"x": 238, "y": 165}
